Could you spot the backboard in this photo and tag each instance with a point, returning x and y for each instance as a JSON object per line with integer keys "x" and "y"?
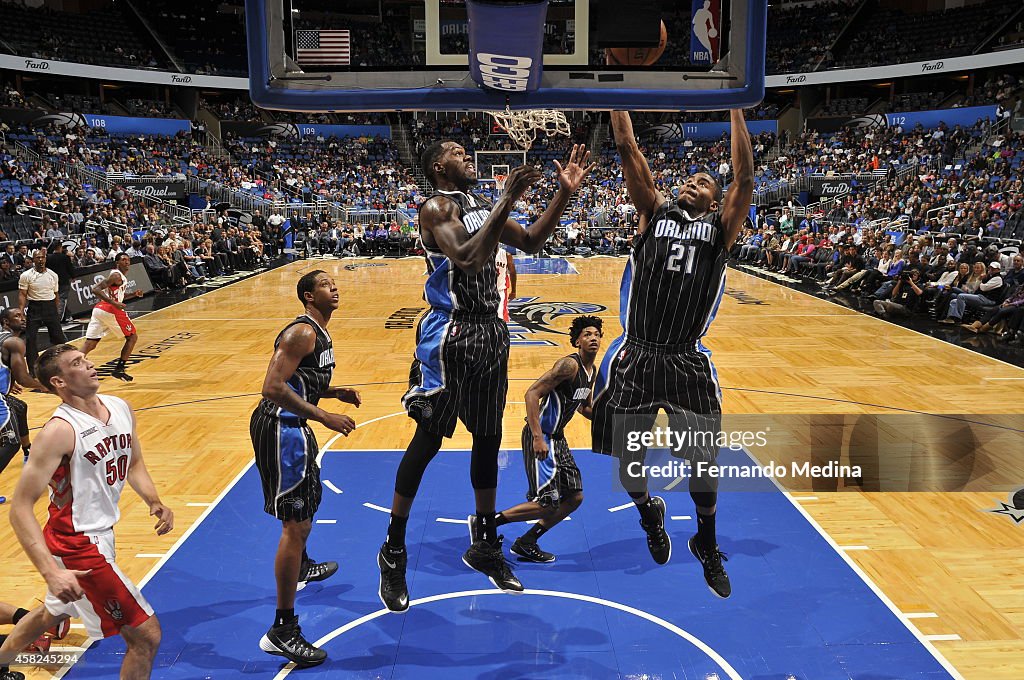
{"x": 416, "y": 58}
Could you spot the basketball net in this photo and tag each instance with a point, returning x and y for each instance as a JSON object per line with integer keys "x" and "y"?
{"x": 499, "y": 181}
{"x": 524, "y": 126}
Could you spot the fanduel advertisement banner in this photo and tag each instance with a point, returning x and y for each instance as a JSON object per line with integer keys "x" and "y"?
{"x": 164, "y": 189}
{"x": 506, "y": 45}
{"x": 240, "y": 129}
{"x": 832, "y": 186}
{"x": 704, "y": 36}
{"x": 147, "y": 126}
{"x": 677, "y": 132}
{"x": 81, "y": 297}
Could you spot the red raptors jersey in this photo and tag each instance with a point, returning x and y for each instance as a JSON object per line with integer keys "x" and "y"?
{"x": 115, "y": 291}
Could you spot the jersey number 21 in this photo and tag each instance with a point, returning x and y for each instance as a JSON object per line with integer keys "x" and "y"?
{"x": 680, "y": 251}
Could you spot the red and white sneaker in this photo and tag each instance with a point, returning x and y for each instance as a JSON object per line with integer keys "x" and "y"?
{"x": 60, "y": 631}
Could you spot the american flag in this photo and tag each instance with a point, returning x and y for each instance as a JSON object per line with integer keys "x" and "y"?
{"x": 322, "y": 47}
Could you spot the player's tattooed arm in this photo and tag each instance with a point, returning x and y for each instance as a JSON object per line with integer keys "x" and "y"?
{"x": 637, "y": 173}
{"x": 736, "y": 206}
{"x": 297, "y": 342}
{"x": 19, "y": 367}
{"x": 564, "y": 369}
{"x": 440, "y": 219}
{"x": 100, "y": 290}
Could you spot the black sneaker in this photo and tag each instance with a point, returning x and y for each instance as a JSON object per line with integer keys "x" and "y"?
{"x": 7, "y": 674}
{"x": 286, "y": 640}
{"x": 316, "y": 571}
{"x": 714, "y": 572}
{"x": 658, "y": 541}
{"x": 530, "y": 551}
{"x": 120, "y": 374}
{"x": 490, "y": 561}
{"x": 393, "y": 591}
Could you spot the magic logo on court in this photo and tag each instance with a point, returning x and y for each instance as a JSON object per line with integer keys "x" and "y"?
{"x": 530, "y": 319}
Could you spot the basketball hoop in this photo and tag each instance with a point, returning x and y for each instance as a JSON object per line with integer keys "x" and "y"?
{"x": 499, "y": 181}
{"x": 524, "y": 126}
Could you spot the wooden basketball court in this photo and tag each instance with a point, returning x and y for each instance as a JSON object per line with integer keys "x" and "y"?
{"x": 957, "y": 572}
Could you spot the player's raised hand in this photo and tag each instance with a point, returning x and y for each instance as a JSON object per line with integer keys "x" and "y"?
{"x": 339, "y": 423}
{"x": 521, "y": 179}
{"x": 63, "y": 583}
{"x": 577, "y": 167}
{"x": 164, "y": 518}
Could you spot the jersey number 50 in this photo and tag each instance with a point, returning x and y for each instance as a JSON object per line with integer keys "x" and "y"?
{"x": 679, "y": 251}
{"x": 117, "y": 470}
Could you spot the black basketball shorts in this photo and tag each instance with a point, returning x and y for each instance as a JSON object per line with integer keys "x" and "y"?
{"x": 286, "y": 451}
{"x": 460, "y": 373}
{"x": 637, "y": 379}
{"x": 553, "y": 478}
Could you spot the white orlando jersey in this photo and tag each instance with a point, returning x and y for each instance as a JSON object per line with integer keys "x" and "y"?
{"x": 86, "y": 488}
{"x": 504, "y": 283}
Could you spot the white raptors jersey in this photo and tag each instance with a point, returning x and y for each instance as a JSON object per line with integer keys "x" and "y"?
{"x": 501, "y": 264}
{"x": 86, "y": 488}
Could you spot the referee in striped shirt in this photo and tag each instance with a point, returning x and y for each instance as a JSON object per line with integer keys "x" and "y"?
{"x": 38, "y": 295}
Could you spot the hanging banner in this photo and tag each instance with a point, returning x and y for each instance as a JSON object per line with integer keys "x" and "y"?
{"x": 303, "y": 130}
{"x": 705, "y": 41}
{"x": 676, "y": 132}
{"x": 964, "y": 117}
{"x": 506, "y": 45}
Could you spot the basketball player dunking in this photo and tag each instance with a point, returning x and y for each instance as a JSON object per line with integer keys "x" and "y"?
{"x": 86, "y": 453}
{"x": 109, "y": 315}
{"x": 556, "y": 485}
{"x": 461, "y": 365}
{"x": 298, "y": 377}
{"x": 672, "y": 287}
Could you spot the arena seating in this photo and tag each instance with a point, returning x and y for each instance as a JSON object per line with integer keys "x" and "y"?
{"x": 105, "y": 37}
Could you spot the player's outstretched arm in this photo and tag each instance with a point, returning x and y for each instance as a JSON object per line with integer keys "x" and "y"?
{"x": 533, "y": 238}
{"x": 141, "y": 481}
{"x": 19, "y": 366}
{"x": 470, "y": 253}
{"x": 564, "y": 369}
{"x": 56, "y": 440}
{"x": 297, "y": 342}
{"x": 736, "y": 206}
{"x": 635, "y": 170}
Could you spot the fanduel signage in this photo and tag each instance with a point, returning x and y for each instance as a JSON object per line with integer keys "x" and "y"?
{"x": 953, "y": 64}
{"x": 506, "y": 45}
{"x": 829, "y": 186}
{"x": 81, "y": 297}
{"x": 164, "y": 189}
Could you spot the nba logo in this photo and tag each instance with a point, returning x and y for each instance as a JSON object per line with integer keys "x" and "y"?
{"x": 704, "y": 34}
